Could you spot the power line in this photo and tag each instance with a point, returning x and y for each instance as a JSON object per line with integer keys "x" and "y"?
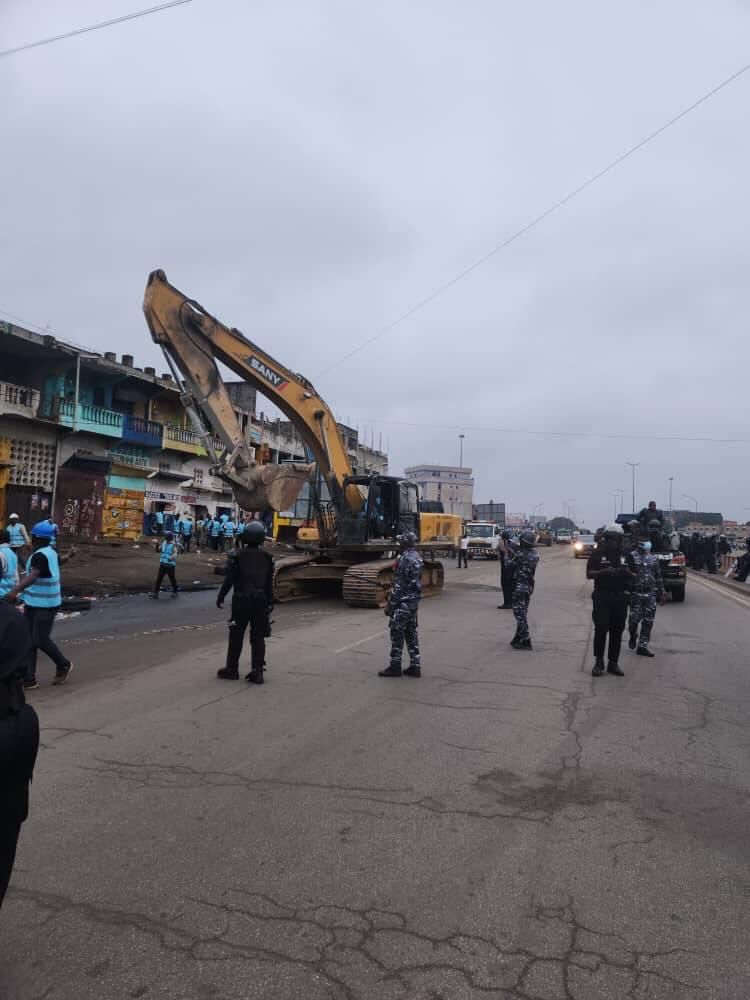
{"x": 565, "y": 434}
{"x": 93, "y": 27}
{"x": 540, "y": 218}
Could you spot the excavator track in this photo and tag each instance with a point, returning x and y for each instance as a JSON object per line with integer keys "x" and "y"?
{"x": 367, "y": 585}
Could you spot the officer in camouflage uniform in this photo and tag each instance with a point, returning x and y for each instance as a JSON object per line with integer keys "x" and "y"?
{"x": 647, "y": 589}
{"x": 402, "y": 606}
{"x": 524, "y": 566}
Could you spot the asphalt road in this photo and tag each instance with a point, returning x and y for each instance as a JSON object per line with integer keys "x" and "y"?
{"x": 508, "y": 826}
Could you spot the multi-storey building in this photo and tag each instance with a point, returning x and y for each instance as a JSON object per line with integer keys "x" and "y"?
{"x": 453, "y": 485}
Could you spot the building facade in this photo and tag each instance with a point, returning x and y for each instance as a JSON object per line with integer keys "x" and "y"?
{"x": 102, "y": 445}
{"x": 452, "y": 485}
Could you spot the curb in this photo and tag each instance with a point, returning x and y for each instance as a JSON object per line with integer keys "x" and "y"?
{"x": 740, "y": 588}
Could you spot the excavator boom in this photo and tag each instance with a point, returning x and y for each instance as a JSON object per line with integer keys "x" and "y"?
{"x": 193, "y": 341}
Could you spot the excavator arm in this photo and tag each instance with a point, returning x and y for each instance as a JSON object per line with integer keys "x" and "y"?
{"x": 193, "y": 341}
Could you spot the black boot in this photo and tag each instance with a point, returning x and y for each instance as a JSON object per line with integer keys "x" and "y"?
{"x": 515, "y": 638}
{"x": 644, "y": 651}
{"x": 505, "y": 607}
{"x": 522, "y": 644}
{"x": 616, "y": 669}
{"x": 255, "y": 676}
{"x": 412, "y": 671}
{"x": 598, "y": 667}
{"x": 227, "y": 674}
{"x": 633, "y": 641}
{"x": 390, "y": 671}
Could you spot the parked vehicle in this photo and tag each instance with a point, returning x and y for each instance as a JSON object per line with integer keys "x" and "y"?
{"x": 563, "y": 536}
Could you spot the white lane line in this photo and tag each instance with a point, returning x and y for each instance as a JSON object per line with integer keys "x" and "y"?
{"x": 740, "y": 599}
{"x": 361, "y": 642}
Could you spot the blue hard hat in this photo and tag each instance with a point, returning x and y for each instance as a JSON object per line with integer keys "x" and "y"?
{"x": 43, "y": 529}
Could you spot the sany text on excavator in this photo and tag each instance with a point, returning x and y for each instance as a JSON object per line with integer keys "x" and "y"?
{"x": 358, "y": 527}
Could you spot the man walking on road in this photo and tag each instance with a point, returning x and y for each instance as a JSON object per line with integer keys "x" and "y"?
{"x": 612, "y": 584}
{"x": 648, "y": 588}
{"x": 505, "y": 555}
{"x": 463, "y": 551}
{"x": 167, "y": 564}
{"x": 40, "y": 589}
{"x": 250, "y": 573}
{"x": 524, "y": 567}
{"x": 19, "y": 737}
{"x": 402, "y": 608}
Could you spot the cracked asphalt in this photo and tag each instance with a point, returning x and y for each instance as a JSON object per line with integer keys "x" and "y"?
{"x": 507, "y": 827}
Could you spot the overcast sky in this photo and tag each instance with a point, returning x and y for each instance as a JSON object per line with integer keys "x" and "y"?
{"x": 309, "y": 171}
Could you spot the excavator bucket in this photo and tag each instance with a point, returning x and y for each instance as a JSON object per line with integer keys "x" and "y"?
{"x": 271, "y": 487}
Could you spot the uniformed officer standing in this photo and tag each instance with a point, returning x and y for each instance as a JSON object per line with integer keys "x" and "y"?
{"x": 648, "y": 588}
{"x": 612, "y": 584}
{"x": 524, "y": 567}
{"x": 19, "y": 737}
{"x": 250, "y": 573}
{"x": 506, "y": 573}
{"x": 402, "y": 607}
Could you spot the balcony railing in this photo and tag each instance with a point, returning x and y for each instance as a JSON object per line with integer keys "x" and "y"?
{"x": 18, "y": 399}
{"x": 89, "y": 418}
{"x": 136, "y": 430}
{"x": 184, "y": 439}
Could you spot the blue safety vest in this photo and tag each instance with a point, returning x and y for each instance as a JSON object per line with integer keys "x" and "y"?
{"x": 16, "y": 535}
{"x": 167, "y": 557}
{"x": 215, "y": 529}
{"x": 9, "y": 578}
{"x": 228, "y": 529}
{"x": 186, "y": 527}
{"x": 44, "y": 593}
{"x": 159, "y": 517}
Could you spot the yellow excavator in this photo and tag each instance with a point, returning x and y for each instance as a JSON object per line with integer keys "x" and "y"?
{"x": 357, "y": 528}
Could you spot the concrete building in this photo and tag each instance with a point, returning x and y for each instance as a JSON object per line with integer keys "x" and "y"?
{"x": 453, "y": 485}
{"x": 102, "y": 445}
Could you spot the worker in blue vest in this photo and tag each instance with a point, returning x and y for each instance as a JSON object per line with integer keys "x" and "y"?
{"x": 158, "y": 527}
{"x": 185, "y": 529}
{"x": 228, "y": 531}
{"x": 167, "y": 563}
{"x": 40, "y": 590}
{"x": 8, "y": 564}
{"x": 19, "y": 536}
{"x": 55, "y": 531}
{"x": 217, "y": 537}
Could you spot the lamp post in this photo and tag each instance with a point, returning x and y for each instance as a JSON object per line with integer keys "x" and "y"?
{"x": 633, "y": 466}
{"x": 618, "y": 493}
{"x": 688, "y": 497}
{"x": 671, "y": 480}
{"x": 461, "y": 450}
{"x": 566, "y": 507}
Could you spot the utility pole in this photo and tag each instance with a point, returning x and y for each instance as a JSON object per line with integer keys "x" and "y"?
{"x": 687, "y": 495}
{"x": 671, "y": 480}
{"x": 461, "y": 450}
{"x": 633, "y": 466}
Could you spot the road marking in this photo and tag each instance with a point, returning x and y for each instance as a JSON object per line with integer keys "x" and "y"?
{"x": 741, "y": 599}
{"x": 361, "y": 642}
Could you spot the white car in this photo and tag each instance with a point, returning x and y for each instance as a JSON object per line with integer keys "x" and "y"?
{"x": 563, "y": 537}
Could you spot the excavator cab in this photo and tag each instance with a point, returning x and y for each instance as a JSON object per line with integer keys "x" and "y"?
{"x": 376, "y": 509}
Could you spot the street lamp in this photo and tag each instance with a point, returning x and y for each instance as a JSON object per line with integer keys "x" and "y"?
{"x": 461, "y": 450}
{"x": 618, "y": 493}
{"x": 671, "y": 480}
{"x": 688, "y": 497}
{"x": 633, "y": 466}
{"x": 565, "y": 506}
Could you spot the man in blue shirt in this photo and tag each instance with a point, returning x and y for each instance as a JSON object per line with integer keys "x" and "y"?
{"x": 185, "y": 528}
{"x": 167, "y": 563}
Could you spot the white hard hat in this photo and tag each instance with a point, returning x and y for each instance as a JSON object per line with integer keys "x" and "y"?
{"x": 614, "y": 529}
{"x": 11, "y": 516}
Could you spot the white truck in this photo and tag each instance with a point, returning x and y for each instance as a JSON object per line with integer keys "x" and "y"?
{"x": 484, "y": 539}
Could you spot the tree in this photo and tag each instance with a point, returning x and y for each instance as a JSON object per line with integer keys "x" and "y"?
{"x": 562, "y": 522}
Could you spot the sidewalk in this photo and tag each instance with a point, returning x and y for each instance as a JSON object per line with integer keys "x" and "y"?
{"x": 724, "y": 581}
{"x": 109, "y": 568}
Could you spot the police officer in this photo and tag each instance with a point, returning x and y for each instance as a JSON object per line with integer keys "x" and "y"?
{"x": 506, "y": 572}
{"x": 8, "y": 564}
{"x": 402, "y": 608}
{"x": 167, "y": 565}
{"x": 612, "y": 583}
{"x": 648, "y": 588}
{"x": 524, "y": 565}
{"x": 40, "y": 590}
{"x": 250, "y": 573}
{"x": 19, "y": 737}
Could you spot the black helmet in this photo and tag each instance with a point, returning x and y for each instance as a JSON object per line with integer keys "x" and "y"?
{"x": 253, "y": 533}
{"x": 528, "y": 538}
{"x": 407, "y": 540}
{"x": 507, "y": 534}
